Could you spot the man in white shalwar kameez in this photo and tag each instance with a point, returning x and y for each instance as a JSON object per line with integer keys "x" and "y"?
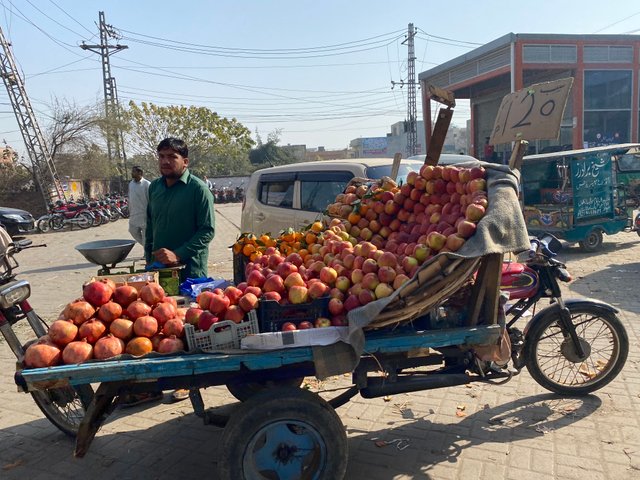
{"x": 138, "y": 200}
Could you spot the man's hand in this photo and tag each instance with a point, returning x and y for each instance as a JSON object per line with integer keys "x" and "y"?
{"x": 166, "y": 256}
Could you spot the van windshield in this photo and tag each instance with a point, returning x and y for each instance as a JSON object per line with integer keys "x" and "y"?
{"x": 385, "y": 170}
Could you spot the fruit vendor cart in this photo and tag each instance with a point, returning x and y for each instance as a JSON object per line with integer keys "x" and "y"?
{"x": 442, "y": 328}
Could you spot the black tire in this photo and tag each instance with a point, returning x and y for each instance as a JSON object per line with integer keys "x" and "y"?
{"x": 636, "y": 223}
{"x": 283, "y": 433}
{"x": 64, "y": 407}
{"x": 57, "y": 222}
{"x": 84, "y": 220}
{"x": 551, "y": 360}
{"x": 593, "y": 241}
{"x": 43, "y": 224}
{"x": 97, "y": 219}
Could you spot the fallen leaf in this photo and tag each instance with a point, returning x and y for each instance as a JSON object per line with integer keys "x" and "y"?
{"x": 380, "y": 444}
{"x": 460, "y": 413}
{"x": 15, "y": 464}
{"x": 386, "y": 398}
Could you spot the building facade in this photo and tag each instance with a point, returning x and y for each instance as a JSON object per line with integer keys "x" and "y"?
{"x": 602, "y": 108}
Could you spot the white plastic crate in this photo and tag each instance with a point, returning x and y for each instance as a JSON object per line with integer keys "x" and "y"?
{"x": 227, "y": 339}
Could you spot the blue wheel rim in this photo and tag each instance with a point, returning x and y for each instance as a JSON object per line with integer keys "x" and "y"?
{"x": 285, "y": 450}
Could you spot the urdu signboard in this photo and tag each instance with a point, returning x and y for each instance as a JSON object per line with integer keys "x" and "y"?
{"x": 374, "y": 146}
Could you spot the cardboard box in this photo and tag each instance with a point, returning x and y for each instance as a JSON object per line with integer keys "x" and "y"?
{"x": 169, "y": 280}
{"x": 137, "y": 280}
{"x": 295, "y": 338}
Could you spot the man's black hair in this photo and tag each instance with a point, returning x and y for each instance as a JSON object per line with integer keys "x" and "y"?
{"x": 138, "y": 169}
{"x": 174, "y": 144}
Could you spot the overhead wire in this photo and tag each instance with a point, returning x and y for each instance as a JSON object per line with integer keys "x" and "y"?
{"x": 55, "y": 21}
{"x": 72, "y": 18}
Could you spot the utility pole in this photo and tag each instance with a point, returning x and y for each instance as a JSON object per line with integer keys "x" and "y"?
{"x": 115, "y": 141}
{"x": 412, "y": 109}
{"x": 44, "y": 170}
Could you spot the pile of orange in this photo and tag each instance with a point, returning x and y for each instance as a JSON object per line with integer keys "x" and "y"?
{"x": 289, "y": 241}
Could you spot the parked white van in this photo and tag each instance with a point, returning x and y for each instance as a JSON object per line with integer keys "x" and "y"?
{"x": 295, "y": 195}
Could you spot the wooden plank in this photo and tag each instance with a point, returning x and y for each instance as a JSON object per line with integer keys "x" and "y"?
{"x": 492, "y": 294}
{"x": 441, "y": 95}
{"x": 439, "y": 134}
{"x": 520, "y": 148}
{"x": 477, "y": 294}
{"x": 396, "y": 165}
{"x": 188, "y": 365}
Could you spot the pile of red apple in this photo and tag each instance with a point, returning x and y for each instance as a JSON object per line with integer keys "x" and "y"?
{"x": 232, "y": 304}
{"x": 380, "y": 236}
{"x": 437, "y": 208}
{"x": 108, "y": 321}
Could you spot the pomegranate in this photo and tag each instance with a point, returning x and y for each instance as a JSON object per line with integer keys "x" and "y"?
{"x": 109, "y": 311}
{"x": 138, "y": 309}
{"x": 139, "y": 346}
{"x": 97, "y": 293}
{"x": 156, "y": 339}
{"x": 125, "y": 295}
{"x": 170, "y": 344}
{"x": 121, "y": 328}
{"x": 164, "y": 312}
{"x": 92, "y": 330}
{"x": 109, "y": 282}
{"x": 78, "y": 311}
{"x": 174, "y": 326}
{"x": 77, "y": 352}
{"x": 145, "y": 326}
{"x": 152, "y": 293}
{"x": 62, "y": 332}
{"x": 108, "y": 347}
{"x": 42, "y": 354}
{"x": 170, "y": 300}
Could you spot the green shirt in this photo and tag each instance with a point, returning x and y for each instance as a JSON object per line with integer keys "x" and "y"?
{"x": 182, "y": 219}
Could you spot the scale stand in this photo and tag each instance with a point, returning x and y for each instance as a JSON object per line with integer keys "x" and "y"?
{"x": 127, "y": 266}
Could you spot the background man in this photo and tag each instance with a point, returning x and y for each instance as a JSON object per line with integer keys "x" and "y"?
{"x": 138, "y": 200}
{"x": 180, "y": 215}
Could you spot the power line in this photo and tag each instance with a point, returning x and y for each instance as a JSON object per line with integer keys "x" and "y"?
{"x": 269, "y": 51}
{"x": 53, "y": 19}
{"x": 65, "y": 12}
{"x": 619, "y": 21}
{"x": 449, "y": 39}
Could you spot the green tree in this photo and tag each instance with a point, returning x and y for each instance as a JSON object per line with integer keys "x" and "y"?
{"x": 215, "y": 143}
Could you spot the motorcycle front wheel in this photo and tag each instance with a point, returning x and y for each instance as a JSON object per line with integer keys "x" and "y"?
{"x": 64, "y": 407}
{"x": 550, "y": 354}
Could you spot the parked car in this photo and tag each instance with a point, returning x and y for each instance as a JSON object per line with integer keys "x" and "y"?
{"x": 295, "y": 195}
{"x": 16, "y": 221}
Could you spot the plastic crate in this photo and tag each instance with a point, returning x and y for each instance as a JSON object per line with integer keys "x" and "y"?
{"x": 272, "y": 315}
{"x": 239, "y": 263}
{"x": 227, "y": 336}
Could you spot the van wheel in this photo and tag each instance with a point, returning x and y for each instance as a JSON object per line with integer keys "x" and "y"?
{"x": 592, "y": 242}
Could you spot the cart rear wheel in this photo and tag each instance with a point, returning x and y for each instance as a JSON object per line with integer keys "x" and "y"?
{"x": 592, "y": 242}
{"x": 283, "y": 433}
{"x": 64, "y": 407}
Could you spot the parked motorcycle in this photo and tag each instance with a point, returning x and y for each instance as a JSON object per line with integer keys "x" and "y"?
{"x": 572, "y": 346}
{"x": 63, "y": 406}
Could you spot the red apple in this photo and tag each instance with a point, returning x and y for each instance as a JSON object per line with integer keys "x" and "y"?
{"x": 233, "y": 293}
{"x": 288, "y": 327}
{"x": 271, "y": 296}
{"x": 293, "y": 279}
{"x": 206, "y": 320}
{"x": 305, "y": 325}
{"x": 474, "y": 212}
{"x": 336, "y": 306}
{"x": 219, "y": 303}
{"x": 298, "y": 294}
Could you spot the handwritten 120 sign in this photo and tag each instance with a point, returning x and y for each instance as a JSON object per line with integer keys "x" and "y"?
{"x": 533, "y": 113}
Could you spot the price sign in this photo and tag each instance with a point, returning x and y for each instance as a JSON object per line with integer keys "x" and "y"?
{"x": 533, "y": 113}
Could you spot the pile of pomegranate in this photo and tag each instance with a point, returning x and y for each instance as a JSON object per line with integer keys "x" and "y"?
{"x": 232, "y": 304}
{"x": 108, "y": 321}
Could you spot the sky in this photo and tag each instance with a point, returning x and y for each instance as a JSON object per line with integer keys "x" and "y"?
{"x": 317, "y": 72}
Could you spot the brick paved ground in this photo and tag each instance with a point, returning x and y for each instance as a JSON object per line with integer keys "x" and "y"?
{"x": 514, "y": 431}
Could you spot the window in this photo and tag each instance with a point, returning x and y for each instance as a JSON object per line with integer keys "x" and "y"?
{"x": 607, "y": 107}
{"x": 385, "y": 170}
{"x": 276, "y": 190}
{"x": 319, "y": 189}
{"x": 629, "y": 163}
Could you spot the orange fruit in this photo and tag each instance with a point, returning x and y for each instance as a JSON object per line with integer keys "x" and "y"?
{"x": 248, "y": 249}
{"x": 353, "y": 218}
{"x": 310, "y": 238}
{"x": 317, "y": 227}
